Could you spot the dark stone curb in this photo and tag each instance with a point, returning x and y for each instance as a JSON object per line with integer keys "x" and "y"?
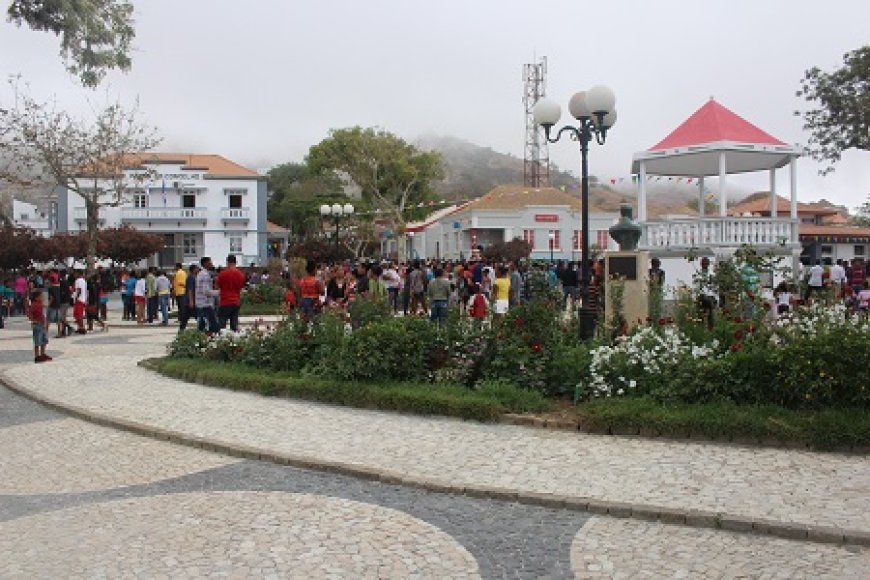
{"x": 684, "y": 517}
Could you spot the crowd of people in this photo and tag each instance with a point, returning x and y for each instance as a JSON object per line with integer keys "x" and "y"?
{"x": 481, "y": 288}
{"x": 435, "y": 287}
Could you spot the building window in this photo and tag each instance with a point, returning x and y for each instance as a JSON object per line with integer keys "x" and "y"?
{"x": 858, "y": 250}
{"x": 827, "y": 249}
{"x": 236, "y": 201}
{"x": 602, "y": 239}
{"x": 24, "y": 216}
{"x": 188, "y": 200}
{"x": 556, "y": 236}
{"x": 140, "y": 200}
{"x": 529, "y": 237}
{"x": 235, "y": 245}
{"x": 188, "y": 244}
{"x": 576, "y": 243}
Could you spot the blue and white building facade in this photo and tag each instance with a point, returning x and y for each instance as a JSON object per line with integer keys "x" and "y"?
{"x": 202, "y": 205}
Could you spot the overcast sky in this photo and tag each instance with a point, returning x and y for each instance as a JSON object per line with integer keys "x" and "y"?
{"x": 261, "y": 81}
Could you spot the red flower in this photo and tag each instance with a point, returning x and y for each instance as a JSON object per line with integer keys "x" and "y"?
{"x": 518, "y": 321}
{"x": 736, "y": 346}
{"x": 738, "y": 335}
{"x": 536, "y": 347}
{"x": 738, "y": 319}
{"x": 662, "y": 321}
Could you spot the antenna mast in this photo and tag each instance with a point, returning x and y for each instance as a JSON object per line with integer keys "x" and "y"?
{"x": 536, "y": 166}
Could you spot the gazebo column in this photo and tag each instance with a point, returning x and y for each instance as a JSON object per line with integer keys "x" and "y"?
{"x": 701, "y": 208}
{"x": 723, "y": 174}
{"x": 641, "y": 202}
{"x": 774, "y": 202}
{"x": 793, "y": 213}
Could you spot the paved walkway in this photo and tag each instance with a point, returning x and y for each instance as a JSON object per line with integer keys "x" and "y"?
{"x": 787, "y": 489}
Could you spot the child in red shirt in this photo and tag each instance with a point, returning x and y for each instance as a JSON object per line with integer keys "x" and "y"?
{"x": 39, "y": 325}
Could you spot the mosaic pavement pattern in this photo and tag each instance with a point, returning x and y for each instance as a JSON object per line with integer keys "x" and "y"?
{"x": 82, "y": 501}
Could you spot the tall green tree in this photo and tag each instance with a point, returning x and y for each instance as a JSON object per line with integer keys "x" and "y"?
{"x": 87, "y": 157}
{"x": 95, "y": 35}
{"x": 839, "y": 117}
{"x": 391, "y": 173}
{"x": 295, "y": 195}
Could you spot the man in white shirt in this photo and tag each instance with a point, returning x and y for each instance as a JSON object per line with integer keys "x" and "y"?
{"x": 80, "y": 292}
{"x": 392, "y": 283}
{"x": 814, "y": 284}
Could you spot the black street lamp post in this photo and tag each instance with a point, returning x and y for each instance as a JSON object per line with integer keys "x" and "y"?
{"x": 596, "y": 113}
{"x": 336, "y": 211}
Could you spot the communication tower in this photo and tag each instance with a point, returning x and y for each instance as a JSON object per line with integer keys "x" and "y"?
{"x": 536, "y": 166}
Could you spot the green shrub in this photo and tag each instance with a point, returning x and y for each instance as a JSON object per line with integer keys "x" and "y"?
{"x": 270, "y": 292}
{"x": 396, "y": 348}
{"x": 366, "y": 309}
{"x": 290, "y": 345}
{"x": 190, "y": 343}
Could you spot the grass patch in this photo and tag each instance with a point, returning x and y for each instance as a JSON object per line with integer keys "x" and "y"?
{"x": 828, "y": 429}
{"x": 419, "y": 398}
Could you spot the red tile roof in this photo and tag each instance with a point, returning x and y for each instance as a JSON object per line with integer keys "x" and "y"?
{"x": 213, "y": 165}
{"x": 713, "y": 123}
{"x": 783, "y": 207}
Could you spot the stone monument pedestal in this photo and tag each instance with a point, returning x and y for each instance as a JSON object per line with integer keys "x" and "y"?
{"x": 630, "y": 269}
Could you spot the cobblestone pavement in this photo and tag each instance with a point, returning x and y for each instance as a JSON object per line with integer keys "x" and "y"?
{"x": 629, "y": 549}
{"x": 224, "y": 517}
{"x": 101, "y": 503}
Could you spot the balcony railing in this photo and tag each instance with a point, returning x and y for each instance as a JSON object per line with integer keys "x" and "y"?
{"x": 711, "y": 232}
{"x": 80, "y": 214}
{"x": 235, "y": 213}
{"x": 163, "y": 213}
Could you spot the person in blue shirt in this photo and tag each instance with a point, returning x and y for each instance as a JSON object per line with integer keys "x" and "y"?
{"x": 127, "y": 291}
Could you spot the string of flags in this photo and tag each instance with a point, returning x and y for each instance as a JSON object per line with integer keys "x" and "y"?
{"x": 613, "y": 181}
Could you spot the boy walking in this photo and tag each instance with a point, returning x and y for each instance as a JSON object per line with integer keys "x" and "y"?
{"x": 39, "y": 325}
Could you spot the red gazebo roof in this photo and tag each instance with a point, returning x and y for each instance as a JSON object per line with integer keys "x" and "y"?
{"x": 694, "y": 148}
{"x": 713, "y": 123}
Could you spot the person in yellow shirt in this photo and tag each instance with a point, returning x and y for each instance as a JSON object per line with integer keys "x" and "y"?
{"x": 179, "y": 291}
{"x": 501, "y": 289}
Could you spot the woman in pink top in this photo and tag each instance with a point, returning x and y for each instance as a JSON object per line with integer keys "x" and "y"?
{"x": 20, "y": 287}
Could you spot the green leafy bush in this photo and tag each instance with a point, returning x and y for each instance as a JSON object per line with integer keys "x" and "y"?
{"x": 190, "y": 343}
{"x": 270, "y": 292}
{"x": 396, "y": 348}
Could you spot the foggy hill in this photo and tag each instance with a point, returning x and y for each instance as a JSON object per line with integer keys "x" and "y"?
{"x": 472, "y": 170}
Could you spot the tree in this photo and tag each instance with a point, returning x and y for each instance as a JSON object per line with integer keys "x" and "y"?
{"x": 320, "y": 251}
{"x": 862, "y": 218}
{"x": 840, "y": 119}
{"x": 127, "y": 245}
{"x": 95, "y": 35}
{"x": 512, "y": 251}
{"x": 295, "y": 194}
{"x": 89, "y": 159}
{"x": 391, "y": 173}
{"x": 17, "y": 247}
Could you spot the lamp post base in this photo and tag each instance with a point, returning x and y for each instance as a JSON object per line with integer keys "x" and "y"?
{"x": 587, "y": 319}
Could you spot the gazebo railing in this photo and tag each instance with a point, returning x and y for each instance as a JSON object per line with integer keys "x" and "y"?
{"x": 712, "y": 232}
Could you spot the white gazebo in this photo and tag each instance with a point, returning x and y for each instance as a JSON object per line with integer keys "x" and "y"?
{"x": 716, "y": 142}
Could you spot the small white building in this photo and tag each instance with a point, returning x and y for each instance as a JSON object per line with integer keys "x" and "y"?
{"x": 32, "y": 216}
{"x": 547, "y": 218}
{"x": 202, "y": 205}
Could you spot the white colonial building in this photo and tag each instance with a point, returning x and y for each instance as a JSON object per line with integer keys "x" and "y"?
{"x": 547, "y": 218}
{"x": 202, "y": 205}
